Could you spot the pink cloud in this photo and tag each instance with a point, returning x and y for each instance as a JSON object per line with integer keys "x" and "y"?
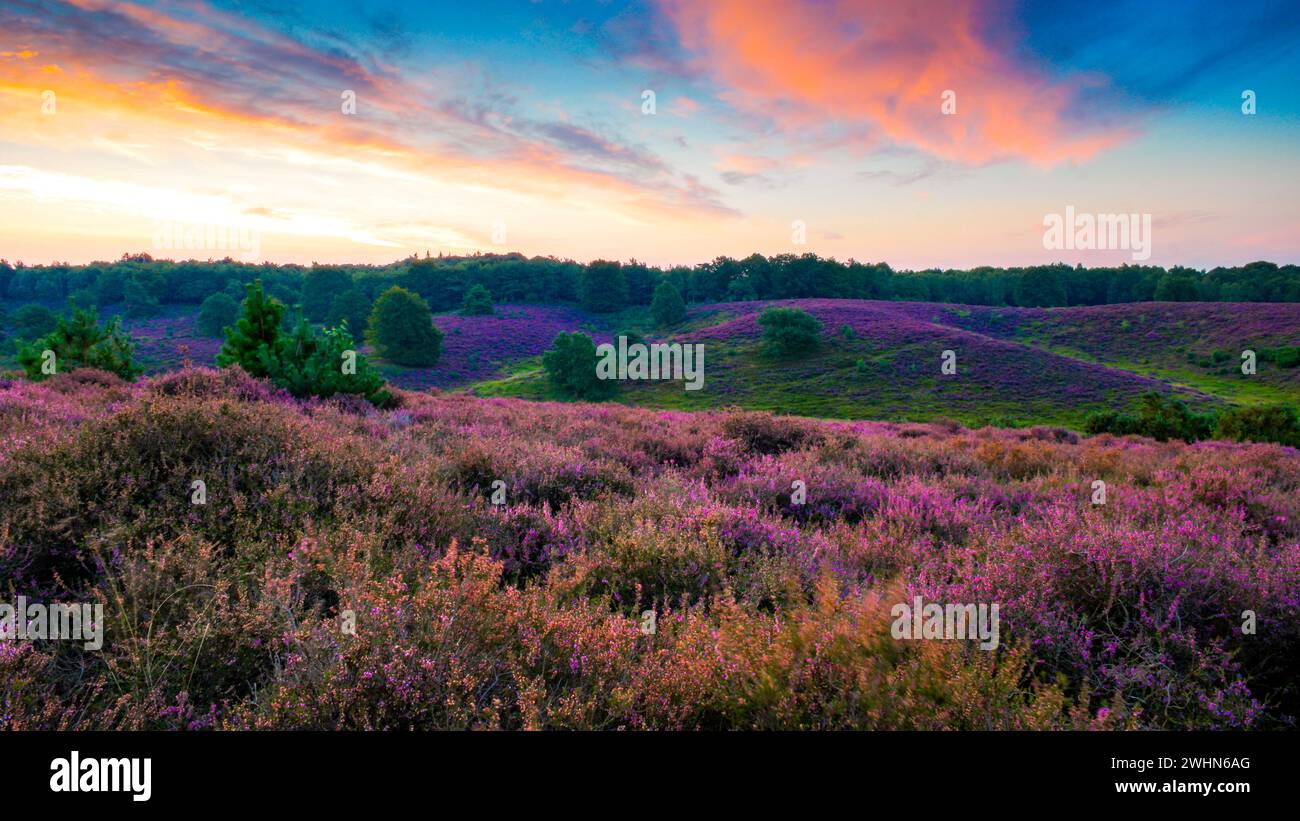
{"x": 877, "y": 71}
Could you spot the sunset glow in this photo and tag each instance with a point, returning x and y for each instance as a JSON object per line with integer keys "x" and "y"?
{"x": 524, "y": 127}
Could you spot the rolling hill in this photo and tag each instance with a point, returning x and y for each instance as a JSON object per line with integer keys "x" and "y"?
{"x": 1014, "y": 365}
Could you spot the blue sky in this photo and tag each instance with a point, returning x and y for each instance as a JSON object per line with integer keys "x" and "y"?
{"x": 529, "y": 117}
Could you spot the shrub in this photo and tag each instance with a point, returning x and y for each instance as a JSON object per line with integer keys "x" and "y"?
{"x": 571, "y": 367}
{"x": 217, "y": 312}
{"x": 308, "y": 363}
{"x": 305, "y": 363}
{"x": 1275, "y": 423}
{"x": 80, "y": 342}
{"x": 788, "y": 331}
{"x": 477, "y": 302}
{"x": 1161, "y": 418}
{"x": 768, "y": 435}
{"x": 401, "y": 329}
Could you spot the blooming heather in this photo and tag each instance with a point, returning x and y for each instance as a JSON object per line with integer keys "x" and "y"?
{"x": 523, "y": 610}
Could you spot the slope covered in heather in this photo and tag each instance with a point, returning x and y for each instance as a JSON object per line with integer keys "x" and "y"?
{"x": 770, "y": 611}
{"x": 1014, "y": 365}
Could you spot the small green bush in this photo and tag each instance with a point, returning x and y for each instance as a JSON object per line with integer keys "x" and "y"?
{"x": 788, "y": 331}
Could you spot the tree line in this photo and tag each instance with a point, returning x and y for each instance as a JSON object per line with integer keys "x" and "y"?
{"x": 327, "y": 293}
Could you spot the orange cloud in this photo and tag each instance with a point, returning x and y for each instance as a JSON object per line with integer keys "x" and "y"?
{"x": 878, "y": 71}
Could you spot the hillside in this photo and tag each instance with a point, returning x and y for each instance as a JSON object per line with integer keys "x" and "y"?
{"x": 768, "y": 611}
{"x": 1014, "y": 365}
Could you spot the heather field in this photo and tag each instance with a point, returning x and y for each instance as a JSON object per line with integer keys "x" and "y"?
{"x": 528, "y": 610}
{"x": 880, "y": 360}
{"x": 1016, "y": 366}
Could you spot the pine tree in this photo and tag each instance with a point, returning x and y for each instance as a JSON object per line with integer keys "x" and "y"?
{"x": 251, "y": 342}
{"x": 79, "y": 342}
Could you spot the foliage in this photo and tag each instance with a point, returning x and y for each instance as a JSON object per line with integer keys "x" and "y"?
{"x": 305, "y": 362}
{"x": 571, "y": 368}
{"x": 80, "y": 342}
{"x": 789, "y": 331}
{"x": 32, "y": 321}
{"x": 602, "y": 286}
{"x": 768, "y": 614}
{"x": 401, "y": 329}
{"x": 321, "y": 285}
{"x": 477, "y": 302}
{"x": 1040, "y": 287}
{"x": 311, "y": 363}
{"x": 217, "y": 312}
{"x": 352, "y": 307}
{"x": 1159, "y": 417}
{"x": 251, "y": 342}
{"x": 667, "y": 307}
{"x": 1272, "y": 423}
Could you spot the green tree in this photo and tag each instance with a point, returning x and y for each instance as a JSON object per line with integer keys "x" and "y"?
{"x": 602, "y": 286}
{"x": 251, "y": 341}
{"x": 1176, "y": 288}
{"x": 788, "y": 331}
{"x": 308, "y": 363}
{"x": 320, "y": 287}
{"x": 1041, "y": 287}
{"x": 667, "y": 306}
{"x": 32, "y": 321}
{"x": 402, "y": 331}
{"x": 139, "y": 301}
{"x": 571, "y": 367}
{"x": 352, "y": 307}
{"x": 79, "y": 342}
{"x": 477, "y": 302}
{"x": 216, "y": 312}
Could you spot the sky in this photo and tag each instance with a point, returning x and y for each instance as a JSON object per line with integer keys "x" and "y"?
{"x": 922, "y": 134}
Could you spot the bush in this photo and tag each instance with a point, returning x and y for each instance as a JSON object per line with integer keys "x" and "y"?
{"x": 571, "y": 367}
{"x": 788, "y": 331}
{"x": 79, "y": 342}
{"x": 1159, "y": 417}
{"x": 1276, "y": 423}
{"x": 477, "y": 302}
{"x": 1285, "y": 357}
{"x": 401, "y": 329}
{"x": 667, "y": 306}
{"x": 217, "y": 312}
{"x": 324, "y": 364}
{"x": 305, "y": 363}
